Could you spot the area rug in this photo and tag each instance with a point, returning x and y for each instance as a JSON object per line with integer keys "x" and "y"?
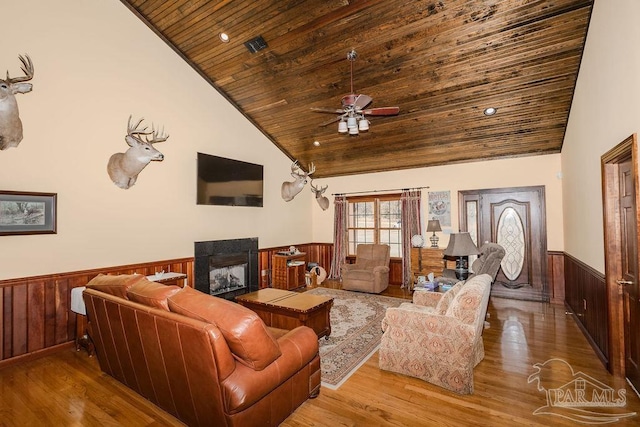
{"x": 355, "y": 332}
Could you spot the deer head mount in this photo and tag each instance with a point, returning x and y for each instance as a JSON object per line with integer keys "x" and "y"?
{"x": 322, "y": 200}
{"x": 10, "y": 124}
{"x": 123, "y": 168}
{"x": 290, "y": 190}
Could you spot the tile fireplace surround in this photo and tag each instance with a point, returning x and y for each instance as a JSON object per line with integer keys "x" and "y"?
{"x": 218, "y": 250}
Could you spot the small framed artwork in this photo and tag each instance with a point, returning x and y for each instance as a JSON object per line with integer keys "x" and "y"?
{"x": 27, "y": 213}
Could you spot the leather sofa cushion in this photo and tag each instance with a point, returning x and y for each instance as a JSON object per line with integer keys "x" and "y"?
{"x": 151, "y": 293}
{"x": 115, "y": 284}
{"x": 246, "y": 334}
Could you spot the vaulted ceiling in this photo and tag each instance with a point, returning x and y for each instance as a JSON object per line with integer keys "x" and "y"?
{"x": 442, "y": 62}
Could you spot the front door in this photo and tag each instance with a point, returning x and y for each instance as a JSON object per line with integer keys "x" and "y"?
{"x": 515, "y": 219}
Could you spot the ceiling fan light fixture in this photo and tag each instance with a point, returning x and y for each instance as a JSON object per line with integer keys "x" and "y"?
{"x": 342, "y": 127}
{"x": 363, "y": 125}
{"x": 490, "y": 111}
{"x": 353, "y": 131}
{"x": 352, "y": 123}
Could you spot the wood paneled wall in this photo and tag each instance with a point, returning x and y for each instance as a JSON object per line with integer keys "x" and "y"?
{"x": 35, "y": 314}
{"x": 321, "y": 253}
{"x": 586, "y": 297}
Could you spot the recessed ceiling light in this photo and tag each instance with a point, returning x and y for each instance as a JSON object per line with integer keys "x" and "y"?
{"x": 224, "y": 37}
{"x": 316, "y": 143}
{"x": 490, "y": 111}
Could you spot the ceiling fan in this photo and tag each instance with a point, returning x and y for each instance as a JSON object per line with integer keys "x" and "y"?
{"x": 354, "y": 109}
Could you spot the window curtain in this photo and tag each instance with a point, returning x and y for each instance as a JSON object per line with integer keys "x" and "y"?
{"x": 410, "y": 201}
{"x": 339, "y": 236}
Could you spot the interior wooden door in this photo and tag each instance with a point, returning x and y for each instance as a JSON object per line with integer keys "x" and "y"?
{"x": 514, "y": 218}
{"x": 621, "y": 216}
{"x": 629, "y": 276}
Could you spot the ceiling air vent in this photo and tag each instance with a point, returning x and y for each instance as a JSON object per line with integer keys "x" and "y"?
{"x": 256, "y": 44}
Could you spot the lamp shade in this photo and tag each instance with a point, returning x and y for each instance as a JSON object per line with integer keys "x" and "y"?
{"x": 460, "y": 244}
{"x": 434, "y": 225}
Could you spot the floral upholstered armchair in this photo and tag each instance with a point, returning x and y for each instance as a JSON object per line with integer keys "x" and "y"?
{"x": 438, "y": 337}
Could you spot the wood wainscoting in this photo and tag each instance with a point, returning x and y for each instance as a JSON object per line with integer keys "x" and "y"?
{"x": 320, "y": 253}
{"x": 35, "y": 314}
{"x": 586, "y": 297}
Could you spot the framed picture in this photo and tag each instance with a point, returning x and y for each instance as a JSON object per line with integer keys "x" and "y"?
{"x": 27, "y": 213}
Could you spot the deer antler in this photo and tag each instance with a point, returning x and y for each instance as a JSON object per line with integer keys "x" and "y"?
{"x": 27, "y": 69}
{"x": 133, "y": 130}
{"x": 157, "y": 136}
{"x": 312, "y": 169}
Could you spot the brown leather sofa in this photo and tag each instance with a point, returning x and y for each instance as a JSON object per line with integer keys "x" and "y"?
{"x": 203, "y": 359}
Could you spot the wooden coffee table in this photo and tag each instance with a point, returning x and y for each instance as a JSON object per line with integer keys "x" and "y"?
{"x": 287, "y": 310}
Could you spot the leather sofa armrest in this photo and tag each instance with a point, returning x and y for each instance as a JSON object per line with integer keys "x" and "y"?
{"x": 246, "y": 386}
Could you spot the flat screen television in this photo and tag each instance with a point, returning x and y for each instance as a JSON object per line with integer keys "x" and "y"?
{"x": 228, "y": 182}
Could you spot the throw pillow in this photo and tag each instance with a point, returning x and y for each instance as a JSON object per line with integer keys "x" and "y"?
{"x": 246, "y": 334}
{"x": 151, "y": 293}
{"x": 446, "y": 299}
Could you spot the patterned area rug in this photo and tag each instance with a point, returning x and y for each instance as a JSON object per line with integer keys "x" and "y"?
{"x": 355, "y": 332}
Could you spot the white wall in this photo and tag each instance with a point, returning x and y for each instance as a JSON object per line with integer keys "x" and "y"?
{"x": 604, "y": 112}
{"x": 518, "y": 172}
{"x": 95, "y": 64}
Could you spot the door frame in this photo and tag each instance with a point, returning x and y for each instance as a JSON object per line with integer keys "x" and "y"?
{"x": 466, "y": 195}
{"x": 627, "y": 149}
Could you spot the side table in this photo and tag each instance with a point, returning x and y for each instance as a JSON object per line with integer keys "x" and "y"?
{"x": 168, "y": 278}
{"x": 82, "y": 335}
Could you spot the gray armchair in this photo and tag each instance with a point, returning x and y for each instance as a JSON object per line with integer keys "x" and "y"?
{"x": 488, "y": 262}
{"x": 370, "y": 273}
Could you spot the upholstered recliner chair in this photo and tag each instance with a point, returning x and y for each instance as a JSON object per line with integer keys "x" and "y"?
{"x": 488, "y": 262}
{"x": 370, "y": 273}
{"x": 438, "y": 338}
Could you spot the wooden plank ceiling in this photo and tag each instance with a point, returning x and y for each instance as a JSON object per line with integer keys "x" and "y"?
{"x": 442, "y": 62}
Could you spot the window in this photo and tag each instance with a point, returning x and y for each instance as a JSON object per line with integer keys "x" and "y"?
{"x": 375, "y": 220}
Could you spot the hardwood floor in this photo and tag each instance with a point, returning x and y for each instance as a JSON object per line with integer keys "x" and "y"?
{"x": 68, "y": 389}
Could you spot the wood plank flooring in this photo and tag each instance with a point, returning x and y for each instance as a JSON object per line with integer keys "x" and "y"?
{"x": 68, "y": 389}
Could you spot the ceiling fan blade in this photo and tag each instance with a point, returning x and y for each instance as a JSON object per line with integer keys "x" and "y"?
{"x": 328, "y": 122}
{"x": 328, "y": 110}
{"x": 362, "y": 101}
{"x": 382, "y": 111}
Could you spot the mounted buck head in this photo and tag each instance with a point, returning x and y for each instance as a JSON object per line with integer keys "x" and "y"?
{"x": 290, "y": 190}
{"x": 123, "y": 168}
{"x": 10, "y": 124}
{"x": 322, "y": 200}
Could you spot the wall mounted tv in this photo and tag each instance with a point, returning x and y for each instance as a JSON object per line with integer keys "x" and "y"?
{"x": 228, "y": 182}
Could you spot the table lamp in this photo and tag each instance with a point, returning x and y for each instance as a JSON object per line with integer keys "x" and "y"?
{"x": 461, "y": 246}
{"x": 434, "y": 225}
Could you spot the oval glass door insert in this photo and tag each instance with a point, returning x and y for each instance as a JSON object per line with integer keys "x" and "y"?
{"x": 511, "y": 238}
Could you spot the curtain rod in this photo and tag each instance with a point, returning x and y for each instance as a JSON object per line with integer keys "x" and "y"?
{"x": 378, "y": 191}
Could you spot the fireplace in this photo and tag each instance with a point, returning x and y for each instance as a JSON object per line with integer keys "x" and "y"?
{"x": 227, "y": 268}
